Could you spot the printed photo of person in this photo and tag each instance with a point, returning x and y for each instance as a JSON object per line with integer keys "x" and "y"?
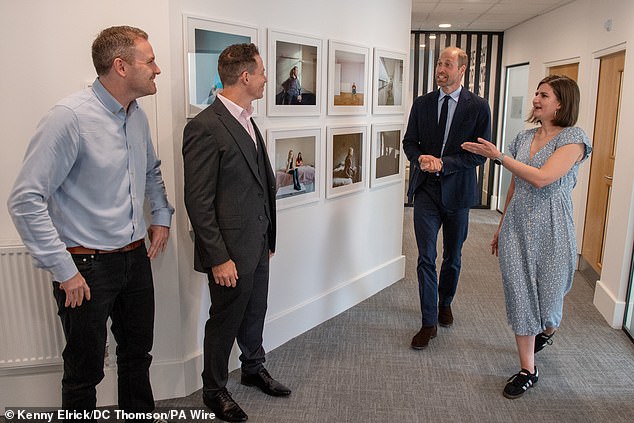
{"x": 295, "y": 74}
{"x": 294, "y": 166}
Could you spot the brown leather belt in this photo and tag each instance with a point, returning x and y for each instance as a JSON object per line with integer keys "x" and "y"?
{"x": 83, "y": 250}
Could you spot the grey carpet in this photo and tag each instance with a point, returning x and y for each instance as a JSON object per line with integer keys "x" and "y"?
{"x": 358, "y": 366}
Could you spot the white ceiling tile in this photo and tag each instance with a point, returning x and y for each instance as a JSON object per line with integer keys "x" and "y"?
{"x": 478, "y": 15}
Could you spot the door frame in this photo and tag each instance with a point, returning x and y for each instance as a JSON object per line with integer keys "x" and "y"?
{"x": 569, "y": 61}
{"x": 583, "y": 180}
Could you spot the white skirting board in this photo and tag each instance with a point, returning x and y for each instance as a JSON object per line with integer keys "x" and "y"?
{"x": 612, "y": 309}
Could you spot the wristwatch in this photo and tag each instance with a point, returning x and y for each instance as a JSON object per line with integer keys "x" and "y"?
{"x": 499, "y": 159}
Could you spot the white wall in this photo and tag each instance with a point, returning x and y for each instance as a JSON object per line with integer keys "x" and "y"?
{"x": 331, "y": 254}
{"x": 577, "y": 32}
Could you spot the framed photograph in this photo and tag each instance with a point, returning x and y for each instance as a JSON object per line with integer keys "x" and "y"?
{"x": 296, "y": 158}
{"x": 389, "y": 82}
{"x": 387, "y": 157}
{"x": 204, "y": 40}
{"x": 294, "y": 74}
{"x": 348, "y": 79}
{"x": 346, "y": 160}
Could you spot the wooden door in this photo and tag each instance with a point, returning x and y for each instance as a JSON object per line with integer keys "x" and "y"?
{"x": 570, "y": 70}
{"x": 602, "y": 159}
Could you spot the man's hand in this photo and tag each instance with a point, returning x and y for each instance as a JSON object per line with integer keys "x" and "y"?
{"x": 158, "y": 240}
{"x": 76, "y": 290}
{"x": 225, "y": 274}
{"x": 429, "y": 163}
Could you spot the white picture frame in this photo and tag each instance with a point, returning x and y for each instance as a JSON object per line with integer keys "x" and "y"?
{"x": 388, "y": 82}
{"x": 386, "y": 154}
{"x": 349, "y": 89}
{"x": 304, "y": 53}
{"x": 346, "y": 171}
{"x": 307, "y": 142}
{"x": 204, "y": 39}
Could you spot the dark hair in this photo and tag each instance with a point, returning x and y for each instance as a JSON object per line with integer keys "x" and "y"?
{"x": 113, "y": 42}
{"x": 236, "y": 59}
{"x": 567, "y": 92}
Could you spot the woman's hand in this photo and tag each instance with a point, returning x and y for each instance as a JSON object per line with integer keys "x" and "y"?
{"x": 482, "y": 147}
{"x": 494, "y": 243}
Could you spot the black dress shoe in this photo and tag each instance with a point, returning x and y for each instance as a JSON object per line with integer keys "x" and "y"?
{"x": 421, "y": 339}
{"x": 224, "y": 407}
{"x": 263, "y": 380}
{"x": 445, "y": 317}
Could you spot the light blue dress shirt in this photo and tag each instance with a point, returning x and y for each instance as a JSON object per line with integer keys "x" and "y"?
{"x": 451, "y": 109}
{"x": 84, "y": 180}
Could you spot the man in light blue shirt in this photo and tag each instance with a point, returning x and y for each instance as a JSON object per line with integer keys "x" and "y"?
{"x": 78, "y": 206}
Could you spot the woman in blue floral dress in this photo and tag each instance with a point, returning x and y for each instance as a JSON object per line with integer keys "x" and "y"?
{"x": 536, "y": 237}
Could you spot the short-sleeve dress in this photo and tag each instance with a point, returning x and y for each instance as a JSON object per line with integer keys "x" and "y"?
{"x": 537, "y": 245}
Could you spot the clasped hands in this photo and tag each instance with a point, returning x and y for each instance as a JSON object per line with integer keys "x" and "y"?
{"x": 429, "y": 163}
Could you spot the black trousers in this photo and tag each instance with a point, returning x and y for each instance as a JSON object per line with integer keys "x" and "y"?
{"x": 236, "y": 314}
{"x": 121, "y": 288}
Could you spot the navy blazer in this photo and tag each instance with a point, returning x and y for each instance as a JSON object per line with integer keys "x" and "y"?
{"x": 230, "y": 206}
{"x": 471, "y": 119}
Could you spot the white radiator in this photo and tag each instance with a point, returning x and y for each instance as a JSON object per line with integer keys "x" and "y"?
{"x": 31, "y": 333}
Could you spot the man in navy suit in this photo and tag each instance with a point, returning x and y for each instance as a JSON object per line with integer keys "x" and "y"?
{"x": 443, "y": 183}
{"x": 230, "y": 200}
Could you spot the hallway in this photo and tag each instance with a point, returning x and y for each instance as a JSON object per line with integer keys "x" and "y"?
{"x": 358, "y": 366}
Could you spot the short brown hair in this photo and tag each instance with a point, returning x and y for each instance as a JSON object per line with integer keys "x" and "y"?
{"x": 567, "y": 92}
{"x": 460, "y": 53}
{"x": 234, "y": 60}
{"x": 113, "y": 42}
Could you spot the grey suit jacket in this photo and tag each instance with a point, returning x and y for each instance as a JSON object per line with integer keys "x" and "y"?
{"x": 230, "y": 206}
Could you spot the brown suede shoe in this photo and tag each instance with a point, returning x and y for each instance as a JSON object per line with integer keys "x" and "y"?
{"x": 421, "y": 339}
{"x": 445, "y": 318}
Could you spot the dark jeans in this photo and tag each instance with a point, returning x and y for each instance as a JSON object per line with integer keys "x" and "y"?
{"x": 121, "y": 288}
{"x": 236, "y": 313}
{"x": 429, "y": 217}
{"x": 295, "y": 173}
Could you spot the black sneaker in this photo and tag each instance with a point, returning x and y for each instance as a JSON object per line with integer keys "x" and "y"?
{"x": 541, "y": 340}
{"x": 520, "y": 383}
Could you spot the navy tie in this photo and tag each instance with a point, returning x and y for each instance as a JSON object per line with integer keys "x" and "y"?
{"x": 442, "y": 121}
{"x": 442, "y": 124}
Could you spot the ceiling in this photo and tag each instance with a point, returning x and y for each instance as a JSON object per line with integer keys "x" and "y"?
{"x": 478, "y": 15}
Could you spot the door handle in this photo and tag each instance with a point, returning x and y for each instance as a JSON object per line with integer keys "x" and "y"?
{"x": 609, "y": 178}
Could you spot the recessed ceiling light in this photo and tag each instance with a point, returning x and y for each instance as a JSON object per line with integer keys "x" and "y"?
{"x": 444, "y": 26}
{"x": 432, "y": 37}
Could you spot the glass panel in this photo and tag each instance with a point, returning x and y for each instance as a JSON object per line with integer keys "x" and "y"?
{"x": 516, "y": 109}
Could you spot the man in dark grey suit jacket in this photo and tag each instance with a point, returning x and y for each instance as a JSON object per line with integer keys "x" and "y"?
{"x": 230, "y": 199}
{"x": 443, "y": 183}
